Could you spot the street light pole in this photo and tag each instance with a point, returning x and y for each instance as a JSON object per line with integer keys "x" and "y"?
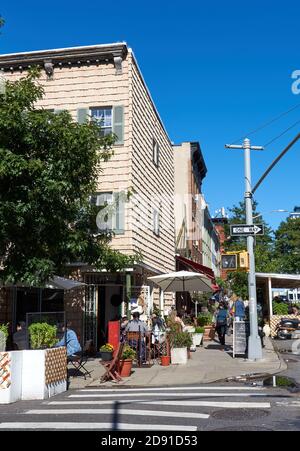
{"x": 254, "y": 342}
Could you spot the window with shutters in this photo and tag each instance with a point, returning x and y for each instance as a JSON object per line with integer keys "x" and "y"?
{"x": 110, "y": 217}
{"x": 156, "y": 220}
{"x": 104, "y": 117}
{"x": 155, "y": 152}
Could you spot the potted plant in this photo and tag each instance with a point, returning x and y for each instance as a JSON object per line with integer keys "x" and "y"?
{"x": 107, "y": 352}
{"x": 125, "y": 363}
{"x": 180, "y": 342}
{"x": 205, "y": 320}
{"x": 42, "y": 335}
{"x": 198, "y": 336}
{"x": 3, "y": 336}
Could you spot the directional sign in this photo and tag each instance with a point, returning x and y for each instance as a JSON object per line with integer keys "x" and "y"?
{"x": 246, "y": 230}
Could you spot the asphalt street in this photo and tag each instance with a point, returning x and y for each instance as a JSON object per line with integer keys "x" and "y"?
{"x": 184, "y": 408}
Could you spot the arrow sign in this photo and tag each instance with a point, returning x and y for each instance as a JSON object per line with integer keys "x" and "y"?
{"x": 246, "y": 230}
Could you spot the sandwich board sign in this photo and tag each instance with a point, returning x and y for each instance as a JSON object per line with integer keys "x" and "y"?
{"x": 240, "y": 337}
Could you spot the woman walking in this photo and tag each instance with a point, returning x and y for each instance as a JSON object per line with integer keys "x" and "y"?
{"x": 221, "y": 323}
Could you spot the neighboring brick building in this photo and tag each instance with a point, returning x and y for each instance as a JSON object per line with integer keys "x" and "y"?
{"x": 104, "y": 81}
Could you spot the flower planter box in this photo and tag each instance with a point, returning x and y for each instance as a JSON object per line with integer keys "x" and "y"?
{"x": 30, "y": 375}
{"x": 106, "y": 356}
{"x": 197, "y": 339}
{"x": 179, "y": 356}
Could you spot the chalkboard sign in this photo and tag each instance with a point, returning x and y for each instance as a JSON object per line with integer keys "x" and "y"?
{"x": 240, "y": 337}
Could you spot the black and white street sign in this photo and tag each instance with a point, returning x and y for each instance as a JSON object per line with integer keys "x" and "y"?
{"x": 246, "y": 230}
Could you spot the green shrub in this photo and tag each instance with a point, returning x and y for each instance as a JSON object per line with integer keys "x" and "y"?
{"x": 204, "y": 319}
{"x": 279, "y": 308}
{"x": 42, "y": 335}
{"x": 182, "y": 340}
{"x": 4, "y": 329}
{"x": 128, "y": 353}
{"x": 199, "y": 330}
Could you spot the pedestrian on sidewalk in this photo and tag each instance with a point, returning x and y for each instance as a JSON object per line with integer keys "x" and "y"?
{"x": 221, "y": 323}
{"x": 239, "y": 310}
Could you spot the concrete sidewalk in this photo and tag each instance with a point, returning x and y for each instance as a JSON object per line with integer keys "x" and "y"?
{"x": 208, "y": 364}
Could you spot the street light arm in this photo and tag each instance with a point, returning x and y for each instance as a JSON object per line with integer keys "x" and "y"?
{"x": 275, "y": 162}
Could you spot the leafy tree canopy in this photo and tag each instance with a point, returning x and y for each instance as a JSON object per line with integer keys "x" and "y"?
{"x": 49, "y": 167}
{"x": 287, "y": 246}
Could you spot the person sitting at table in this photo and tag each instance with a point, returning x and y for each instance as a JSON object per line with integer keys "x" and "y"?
{"x": 69, "y": 340}
{"x": 20, "y": 337}
{"x": 136, "y": 325}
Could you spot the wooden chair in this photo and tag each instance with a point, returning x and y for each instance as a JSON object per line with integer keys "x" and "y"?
{"x": 112, "y": 367}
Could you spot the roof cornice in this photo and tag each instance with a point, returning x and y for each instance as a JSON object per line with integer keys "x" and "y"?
{"x": 86, "y": 54}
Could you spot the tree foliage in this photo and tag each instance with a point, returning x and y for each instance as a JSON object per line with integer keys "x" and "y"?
{"x": 287, "y": 246}
{"x": 49, "y": 166}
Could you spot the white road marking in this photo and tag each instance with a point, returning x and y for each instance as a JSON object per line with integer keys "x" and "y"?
{"x": 227, "y": 405}
{"x": 177, "y": 395}
{"x": 171, "y": 389}
{"x": 121, "y": 411}
{"x": 96, "y": 426}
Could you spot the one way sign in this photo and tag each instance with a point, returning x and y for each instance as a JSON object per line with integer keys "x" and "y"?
{"x": 246, "y": 230}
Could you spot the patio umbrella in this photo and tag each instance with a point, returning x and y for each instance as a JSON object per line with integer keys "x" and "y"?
{"x": 183, "y": 281}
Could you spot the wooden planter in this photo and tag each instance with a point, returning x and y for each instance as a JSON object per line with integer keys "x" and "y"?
{"x": 209, "y": 333}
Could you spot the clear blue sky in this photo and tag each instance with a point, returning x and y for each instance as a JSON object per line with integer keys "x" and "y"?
{"x": 216, "y": 70}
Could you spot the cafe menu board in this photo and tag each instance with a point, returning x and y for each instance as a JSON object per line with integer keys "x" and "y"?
{"x": 240, "y": 337}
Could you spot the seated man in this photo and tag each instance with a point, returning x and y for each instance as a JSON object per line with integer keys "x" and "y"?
{"x": 70, "y": 340}
{"x": 20, "y": 337}
{"x": 136, "y": 325}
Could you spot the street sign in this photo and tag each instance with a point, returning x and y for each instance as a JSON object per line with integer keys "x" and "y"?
{"x": 246, "y": 230}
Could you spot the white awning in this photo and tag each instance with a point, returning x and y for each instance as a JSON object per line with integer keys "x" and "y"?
{"x": 63, "y": 284}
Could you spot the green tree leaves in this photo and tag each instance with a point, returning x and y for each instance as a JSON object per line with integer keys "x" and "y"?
{"x": 49, "y": 166}
{"x": 287, "y": 246}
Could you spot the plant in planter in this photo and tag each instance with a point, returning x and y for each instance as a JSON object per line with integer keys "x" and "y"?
{"x": 198, "y": 336}
{"x": 125, "y": 363}
{"x": 205, "y": 320}
{"x": 3, "y": 336}
{"x": 42, "y": 335}
{"x": 107, "y": 352}
{"x": 180, "y": 343}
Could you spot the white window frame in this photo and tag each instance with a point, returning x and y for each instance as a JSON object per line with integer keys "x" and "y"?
{"x": 155, "y": 152}
{"x": 106, "y": 129}
{"x": 156, "y": 222}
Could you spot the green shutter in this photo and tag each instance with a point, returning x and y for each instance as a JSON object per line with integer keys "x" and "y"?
{"x": 118, "y": 123}
{"x": 82, "y": 115}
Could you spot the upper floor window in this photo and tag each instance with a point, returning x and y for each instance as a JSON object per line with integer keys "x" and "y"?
{"x": 155, "y": 152}
{"x": 156, "y": 221}
{"x": 104, "y": 117}
{"x": 110, "y": 120}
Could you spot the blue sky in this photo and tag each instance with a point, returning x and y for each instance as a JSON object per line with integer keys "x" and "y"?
{"x": 216, "y": 70}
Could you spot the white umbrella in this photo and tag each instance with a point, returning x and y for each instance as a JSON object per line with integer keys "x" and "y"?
{"x": 183, "y": 281}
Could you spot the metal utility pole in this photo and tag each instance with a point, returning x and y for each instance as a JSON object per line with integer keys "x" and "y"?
{"x": 254, "y": 343}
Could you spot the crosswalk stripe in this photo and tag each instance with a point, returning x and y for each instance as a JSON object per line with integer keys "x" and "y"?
{"x": 193, "y": 394}
{"x": 227, "y": 405}
{"x": 165, "y": 389}
{"x": 158, "y": 403}
{"x": 156, "y": 413}
{"x": 93, "y": 426}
